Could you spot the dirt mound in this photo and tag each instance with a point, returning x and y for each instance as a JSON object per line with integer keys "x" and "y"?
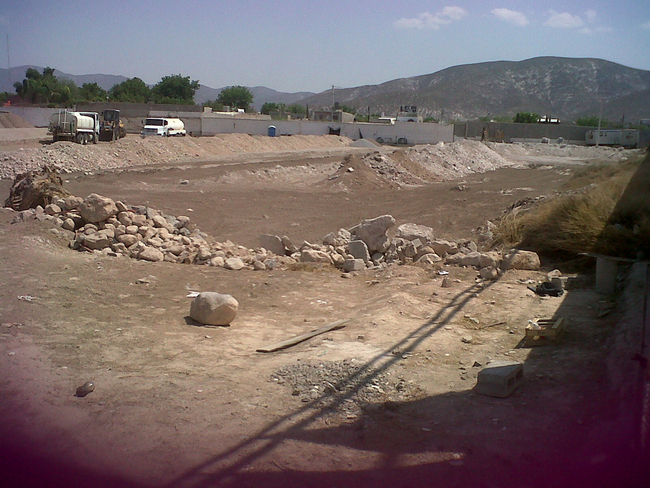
{"x": 355, "y": 174}
{"x": 417, "y": 166}
{"x": 9, "y": 120}
{"x": 131, "y": 151}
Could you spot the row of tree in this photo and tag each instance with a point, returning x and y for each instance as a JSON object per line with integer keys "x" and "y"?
{"x": 47, "y": 89}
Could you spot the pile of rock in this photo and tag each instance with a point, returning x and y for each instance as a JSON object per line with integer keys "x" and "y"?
{"x": 369, "y": 245}
{"x": 102, "y": 225}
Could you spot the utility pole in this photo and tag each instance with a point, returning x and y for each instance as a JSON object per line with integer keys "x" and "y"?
{"x": 600, "y": 116}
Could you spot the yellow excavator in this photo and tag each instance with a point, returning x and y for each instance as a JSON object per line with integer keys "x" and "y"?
{"x": 111, "y": 128}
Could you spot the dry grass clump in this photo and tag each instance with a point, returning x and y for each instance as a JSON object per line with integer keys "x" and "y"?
{"x": 610, "y": 216}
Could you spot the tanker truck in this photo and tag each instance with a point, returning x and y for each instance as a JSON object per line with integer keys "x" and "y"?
{"x": 162, "y": 126}
{"x": 80, "y": 127}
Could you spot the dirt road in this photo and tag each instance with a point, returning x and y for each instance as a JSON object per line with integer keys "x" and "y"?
{"x": 386, "y": 401}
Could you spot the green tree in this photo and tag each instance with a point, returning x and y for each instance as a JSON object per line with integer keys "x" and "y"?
{"x": 64, "y": 93}
{"x": 296, "y": 109}
{"x": 45, "y": 88}
{"x": 236, "y": 97}
{"x": 349, "y": 110}
{"x": 133, "y": 90}
{"x": 176, "y": 89}
{"x": 92, "y": 92}
{"x": 269, "y": 107}
{"x": 526, "y": 118}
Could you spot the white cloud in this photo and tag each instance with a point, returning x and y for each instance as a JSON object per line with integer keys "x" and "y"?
{"x": 591, "y": 15}
{"x": 510, "y": 16}
{"x": 595, "y": 30}
{"x": 563, "y": 20}
{"x": 646, "y": 25}
{"x": 432, "y": 21}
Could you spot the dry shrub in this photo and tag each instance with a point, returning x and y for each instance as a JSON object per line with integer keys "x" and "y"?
{"x": 596, "y": 219}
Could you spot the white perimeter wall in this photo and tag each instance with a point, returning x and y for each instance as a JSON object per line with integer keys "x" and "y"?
{"x": 414, "y": 133}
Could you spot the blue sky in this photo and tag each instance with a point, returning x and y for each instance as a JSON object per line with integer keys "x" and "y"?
{"x": 310, "y": 46}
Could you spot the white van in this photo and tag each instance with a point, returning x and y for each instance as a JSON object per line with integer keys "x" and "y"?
{"x": 154, "y": 126}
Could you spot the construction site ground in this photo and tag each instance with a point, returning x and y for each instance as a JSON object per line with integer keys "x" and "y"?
{"x": 386, "y": 401}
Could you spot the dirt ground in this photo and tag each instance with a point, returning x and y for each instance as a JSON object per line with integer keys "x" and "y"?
{"x": 391, "y": 402}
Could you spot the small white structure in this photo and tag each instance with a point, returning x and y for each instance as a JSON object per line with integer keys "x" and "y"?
{"x": 628, "y": 138}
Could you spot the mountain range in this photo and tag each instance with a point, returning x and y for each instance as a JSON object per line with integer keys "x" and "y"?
{"x": 565, "y": 88}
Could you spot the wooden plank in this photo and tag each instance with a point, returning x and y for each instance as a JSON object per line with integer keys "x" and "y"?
{"x": 303, "y": 337}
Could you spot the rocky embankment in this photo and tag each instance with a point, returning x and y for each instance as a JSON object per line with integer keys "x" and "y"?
{"x": 100, "y": 225}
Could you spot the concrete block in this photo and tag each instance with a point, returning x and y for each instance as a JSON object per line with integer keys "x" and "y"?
{"x": 500, "y": 378}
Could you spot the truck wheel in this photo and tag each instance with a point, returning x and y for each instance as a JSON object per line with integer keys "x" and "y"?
{"x": 80, "y": 138}
{"x": 402, "y": 140}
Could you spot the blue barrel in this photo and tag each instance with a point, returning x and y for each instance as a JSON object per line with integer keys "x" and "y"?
{"x": 271, "y": 131}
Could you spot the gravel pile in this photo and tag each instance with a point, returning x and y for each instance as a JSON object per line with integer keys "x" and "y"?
{"x": 448, "y": 161}
{"x": 346, "y": 387}
{"x": 587, "y": 153}
{"x": 10, "y": 120}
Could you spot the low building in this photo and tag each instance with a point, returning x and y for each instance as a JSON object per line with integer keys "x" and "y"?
{"x": 408, "y": 113}
{"x": 628, "y": 138}
{"x": 332, "y": 116}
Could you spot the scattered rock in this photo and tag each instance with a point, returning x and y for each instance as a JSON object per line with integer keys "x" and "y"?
{"x": 518, "y": 259}
{"x": 96, "y": 208}
{"x": 411, "y": 232}
{"x": 374, "y": 232}
{"x": 234, "y": 264}
{"x": 489, "y": 273}
{"x": 272, "y": 243}
{"x": 354, "y": 265}
{"x": 359, "y": 250}
{"x": 85, "y": 389}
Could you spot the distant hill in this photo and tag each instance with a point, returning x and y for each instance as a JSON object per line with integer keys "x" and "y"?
{"x": 203, "y": 94}
{"x": 559, "y": 87}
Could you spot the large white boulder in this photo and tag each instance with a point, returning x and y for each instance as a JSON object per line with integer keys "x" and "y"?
{"x": 213, "y": 308}
{"x": 374, "y": 232}
{"x": 518, "y": 259}
{"x": 96, "y": 208}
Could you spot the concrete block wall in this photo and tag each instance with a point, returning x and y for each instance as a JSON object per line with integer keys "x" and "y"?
{"x": 571, "y": 134}
{"x": 414, "y": 133}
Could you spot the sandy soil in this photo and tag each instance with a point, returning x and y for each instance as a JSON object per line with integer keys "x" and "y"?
{"x": 179, "y": 405}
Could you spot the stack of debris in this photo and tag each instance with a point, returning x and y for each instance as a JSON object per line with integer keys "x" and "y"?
{"x": 99, "y": 224}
